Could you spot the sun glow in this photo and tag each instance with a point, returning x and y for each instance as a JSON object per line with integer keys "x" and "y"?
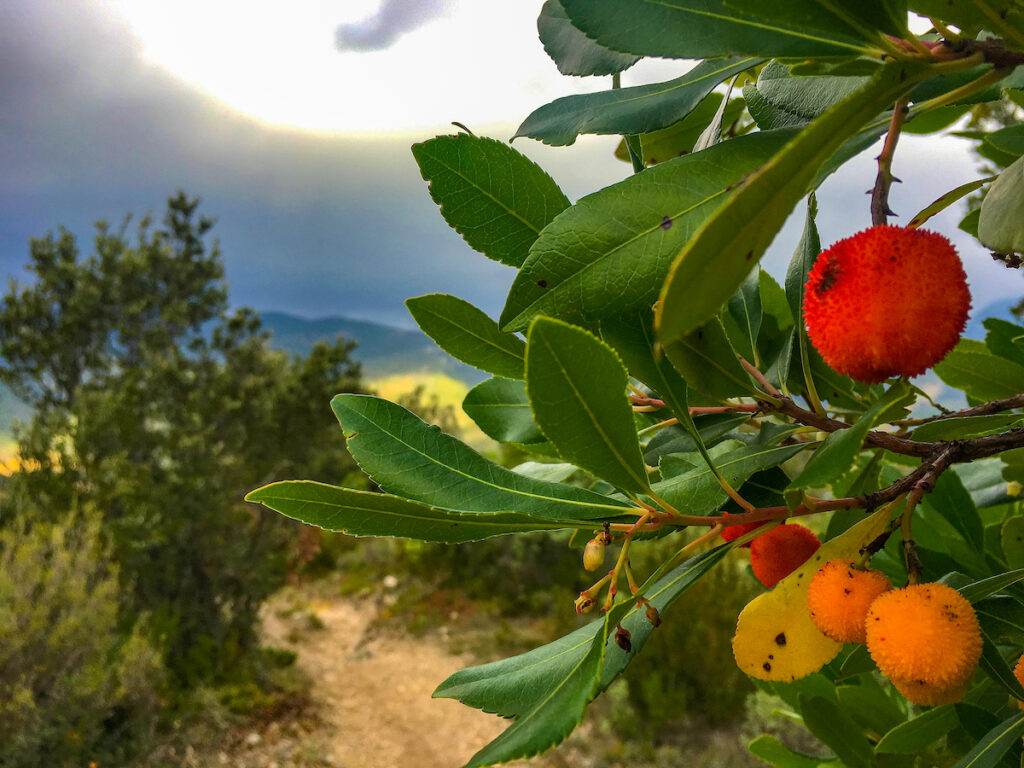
{"x": 475, "y": 62}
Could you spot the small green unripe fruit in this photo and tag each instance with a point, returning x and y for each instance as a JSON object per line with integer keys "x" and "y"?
{"x": 593, "y": 554}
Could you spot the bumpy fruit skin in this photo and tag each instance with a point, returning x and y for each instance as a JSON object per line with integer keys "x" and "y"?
{"x": 927, "y": 695}
{"x": 926, "y": 639}
{"x": 776, "y": 554}
{"x": 731, "y": 532}
{"x": 839, "y": 597}
{"x": 888, "y": 301}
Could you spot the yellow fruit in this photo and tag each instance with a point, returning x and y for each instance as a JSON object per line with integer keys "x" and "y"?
{"x": 839, "y": 596}
{"x": 926, "y": 636}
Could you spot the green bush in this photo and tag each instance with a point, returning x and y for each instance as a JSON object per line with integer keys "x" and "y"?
{"x": 74, "y": 686}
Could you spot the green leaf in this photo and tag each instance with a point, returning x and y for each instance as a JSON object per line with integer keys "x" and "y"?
{"x": 574, "y": 52}
{"x": 1005, "y": 339}
{"x": 836, "y": 455}
{"x": 715, "y": 261}
{"x": 869, "y": 705}
{"x": 1011, "y": 536}
{"x": 946, "y": 200}
{"x": 406, "y": 457}
{"x": 553, "y": 716}
{"x": 679, "y": 138}
{"x": 997, "y": 742}
{"x": 468, "y": 334}
{"x": 632, "y": 338}
{"x": 868, "y": 18}
{"x": 697, "y": 492}
{"x": 970, "y": 366}
{"x": 964, "y": 426}
{"x": 951, "y": 500}
{"x": 979, "y": 590}
{"x": 934, "y": 119}
{"x": 971, "y": 17}
{"x": 640, "y": 109}
{"x": 1002, "y": 211}
{"x": 911, "y": 737}
{"x": 837, "y": 730}
{"x": 998, "y": 670}
{"x": 712, "y": 429}
{"x": 501, "y": 409}
{"x": 969, "y": 223}
{"x": 554, "y": 473}
{"x": 1009, "y": 139}
{"x": 360, "y": 513}
{"x": 577, "y": 388}
{"x": 778, "y": 99}
{"x": 984, "y": 480}
{"x": 707, "y": 361}
{"x": 800, "y": 265}
{"x": 697, "y": 29}
{"x": 743, "y": 317}
{"x": 515, "y": 686}
{"x": 609, "y": 253}
{"x": 1002, "y": 618}
{"x": 495, "y": 197}
{"x": 772, "y": 751}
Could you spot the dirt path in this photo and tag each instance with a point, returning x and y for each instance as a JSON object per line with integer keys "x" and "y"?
{"x": 373, "y": 692}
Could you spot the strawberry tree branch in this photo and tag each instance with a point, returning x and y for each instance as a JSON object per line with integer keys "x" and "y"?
{"x": 880, "y": 211}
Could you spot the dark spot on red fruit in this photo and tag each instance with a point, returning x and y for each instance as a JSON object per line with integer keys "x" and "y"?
{"x": 828, "y": 277}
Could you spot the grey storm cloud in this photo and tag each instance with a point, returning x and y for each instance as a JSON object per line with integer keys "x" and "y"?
{"x": 394, "y": 19}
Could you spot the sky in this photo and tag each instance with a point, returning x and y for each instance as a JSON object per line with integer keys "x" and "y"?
{"x": 293, "y": 121}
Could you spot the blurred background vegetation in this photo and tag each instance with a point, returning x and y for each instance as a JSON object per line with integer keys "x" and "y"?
{"x": 132, "y": 576}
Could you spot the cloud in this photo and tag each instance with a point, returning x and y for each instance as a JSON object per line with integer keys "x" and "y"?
{"x": 394, "y": 19}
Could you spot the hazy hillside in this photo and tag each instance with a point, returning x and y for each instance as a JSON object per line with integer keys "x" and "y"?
{"x": 383, "y": 350}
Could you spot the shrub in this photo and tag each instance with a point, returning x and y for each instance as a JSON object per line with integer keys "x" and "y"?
{"x": 74, "y": 686}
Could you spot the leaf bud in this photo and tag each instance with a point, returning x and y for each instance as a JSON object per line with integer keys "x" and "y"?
{"x": 653, "y": 616}
{"x": 593, "y": 553}
{"x": 584, "y": 604}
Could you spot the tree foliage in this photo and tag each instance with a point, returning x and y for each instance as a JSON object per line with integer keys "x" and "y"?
{"x": 157, "y": 407}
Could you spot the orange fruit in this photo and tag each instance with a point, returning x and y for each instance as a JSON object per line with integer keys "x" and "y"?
{"x": 839, "y": 597}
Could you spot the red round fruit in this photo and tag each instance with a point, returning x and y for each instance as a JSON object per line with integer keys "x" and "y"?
{"x": 776, "y": 554}
{"x": 888, "y": 301}
{"x": 731, "y": 532}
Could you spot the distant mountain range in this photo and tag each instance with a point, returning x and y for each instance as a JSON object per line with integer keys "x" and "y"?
{"x": 383, "y": 350}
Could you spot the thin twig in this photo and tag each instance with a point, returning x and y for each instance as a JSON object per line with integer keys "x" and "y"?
{"x": 880, "y": 211}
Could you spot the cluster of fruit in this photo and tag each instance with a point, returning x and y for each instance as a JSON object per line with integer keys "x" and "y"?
{"x": 924, "y": 637}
